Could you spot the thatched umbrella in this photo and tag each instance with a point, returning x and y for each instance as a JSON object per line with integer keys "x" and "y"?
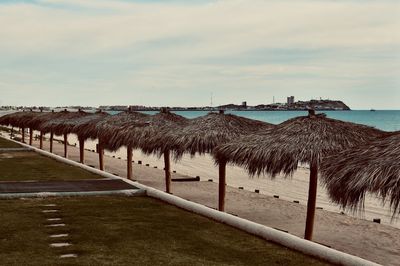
{"x": 373, "y": 167}
{"x": 203, "y": 134}
{"x": 33, "y": 123}
{"x": 19, "y": 119}
{"x": 8, "y": 120}
{"x": 305, "y": 139}
{"x": 65, "y": 124}
{"x": 140, "y": 134}
{"x": 36, "y": 123}
{"x": 72, "y": 126}
{"x": 105, "y": 129}
{"x": 54, "y": 125}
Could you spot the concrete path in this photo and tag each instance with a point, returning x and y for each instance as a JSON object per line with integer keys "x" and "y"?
{"x": 64, "y": 186}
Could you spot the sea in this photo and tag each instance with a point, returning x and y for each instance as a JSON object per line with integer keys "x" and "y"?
{"x": 388, "y": 120}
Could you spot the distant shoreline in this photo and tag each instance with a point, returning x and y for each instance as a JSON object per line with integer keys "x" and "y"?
{"x": 247, "y": 110}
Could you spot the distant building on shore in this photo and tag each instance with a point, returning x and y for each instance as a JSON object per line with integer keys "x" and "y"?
{"x": 290, "y": 100}
{"x": 114, "y": 107}
{"x": 244, "y": 104}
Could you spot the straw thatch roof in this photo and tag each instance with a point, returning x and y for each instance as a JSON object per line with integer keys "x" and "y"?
{"x": 78, "y": 125}
{"x": 67, "y": 123}
{"x": 202, "y": 134}
{"x": 140, "y": 133}
{"x": 304, "y": 139}
{"x": 373, "y": 167}
{"x": 18, "y": 119}
{"x": 41, "y": 117}
{"x": 108, "y": 127}
{"x": 54, "y": 122}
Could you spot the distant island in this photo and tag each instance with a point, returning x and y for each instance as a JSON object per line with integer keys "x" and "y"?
{"x": 290, "y": 105}
{"x": 320, "y": 105}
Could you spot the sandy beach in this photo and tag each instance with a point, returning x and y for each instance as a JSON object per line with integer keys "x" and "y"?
{"x": 376, "y": 242}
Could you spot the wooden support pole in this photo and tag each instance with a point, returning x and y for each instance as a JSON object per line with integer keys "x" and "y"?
{"x": 51, "y": 141}
{"x": 167, "y": 166}
{"x": 312, "y": 199}
{"x": 41, "y": 141}
{"x": 129, "y": 162}
{"x": 81, "y": 151}
{"x": 101, "y": 156}
{"x": 30, "y": 136}
{"x": 12, "y": 132}
{"x": 65, "y": 146}
{"x": 222, "y": 184}
{"x": 23, "y": 135}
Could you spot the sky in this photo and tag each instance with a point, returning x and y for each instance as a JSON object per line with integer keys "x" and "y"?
{"x": 180, "y": 52}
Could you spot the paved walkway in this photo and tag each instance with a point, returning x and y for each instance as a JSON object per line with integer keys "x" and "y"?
{"x": 64, "y": 186}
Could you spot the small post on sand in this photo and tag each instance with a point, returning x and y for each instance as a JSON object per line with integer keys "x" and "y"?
{"x": 222, "y": 181}
{"x": 51, "y": 141}
{"x": 30, "y": 136}
{"x": 23, "y": 135}
{"x": 101, "y": 156}
{"x": 312, "y": 198}
{"x": 167, "y": 166}
{"x": 129, "y": 162}
{"x": 65, "y": 146}
{"x": 41, "y": 140}
{"x": 81, "y": 151}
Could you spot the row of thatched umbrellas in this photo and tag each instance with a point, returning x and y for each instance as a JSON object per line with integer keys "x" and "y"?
{"x": 258, "y": 146}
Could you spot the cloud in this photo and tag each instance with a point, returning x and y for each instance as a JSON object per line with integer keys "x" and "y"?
{"x": 300, "y": 48}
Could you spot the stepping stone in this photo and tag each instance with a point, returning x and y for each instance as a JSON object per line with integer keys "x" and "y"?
{"x": 49, "y": 205}
{"x": 59, "y": 235}
{"x": 49, "y": 211}
{"x": 68, "y": 256}
{"x": 60, "y": 245}
{"x": 53, "y": 219}
{"x": 55, "y": 225}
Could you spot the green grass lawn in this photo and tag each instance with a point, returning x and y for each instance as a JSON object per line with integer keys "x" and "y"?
{"x": 17, "y": 166}
{"x": 8, "y": 144}
{"x": 129, "y": 231}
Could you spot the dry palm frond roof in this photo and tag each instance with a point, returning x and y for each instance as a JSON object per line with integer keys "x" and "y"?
{"x": 35, "y": 121}
{"x": 69, "y": 123}
{"x": 105, "y": 129}
{"x": 139, "y": 134}
{"x": 202, "y": 134}
{"x": 304, "y": 139}
{"x": 18, "y": 119}
{"x": 54, "y": 121}
{"x": 373, "y": 167}
{"x": 9, "y": 119}
{"x": 82, "y": 126}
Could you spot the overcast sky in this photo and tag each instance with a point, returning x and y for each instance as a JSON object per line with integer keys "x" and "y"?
{"x": 176, "y": 53}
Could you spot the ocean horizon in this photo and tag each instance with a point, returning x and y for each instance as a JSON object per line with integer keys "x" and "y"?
{"x": 388, "y": 120}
